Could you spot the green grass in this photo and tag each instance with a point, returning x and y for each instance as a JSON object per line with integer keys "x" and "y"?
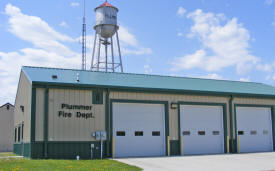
{"x": 64, "y": 165}
{"x": 6, "y": 154}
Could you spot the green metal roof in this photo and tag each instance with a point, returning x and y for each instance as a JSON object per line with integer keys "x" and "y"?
{"x": 145, "y": 82}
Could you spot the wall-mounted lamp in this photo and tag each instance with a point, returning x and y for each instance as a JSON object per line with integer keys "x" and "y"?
{"x": 174, "y": 105}
{"x": 22, "y": 108}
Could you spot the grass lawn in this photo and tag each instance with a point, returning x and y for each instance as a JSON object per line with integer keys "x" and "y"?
{"x": 6, "y": 154}
{"x": 13, "y": 164}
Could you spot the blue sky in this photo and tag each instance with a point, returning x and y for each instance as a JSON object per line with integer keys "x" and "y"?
{"x": 216, "y": 39}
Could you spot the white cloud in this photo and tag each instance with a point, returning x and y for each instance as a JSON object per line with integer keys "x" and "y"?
{"x": 273, "y": 24}
{"x": 180, "y": 34}
{"x": 128, "y": 43}
{"x": 63, "y": 24}
{"x": 36, "y": 31}
{"x": 268, "y": 77}
{"x": 245, "y": 79}
{"x": 181, "y": 11}
{"x": 223, "y": 45}
{"x": 273, "y": 77}
{"x": 49, "y": 48}
{"x": 139, "y": 51}
{"x": 265, "y": 67}
{"x": 147, "y": 69}
{"x": 126, "y": 37}
{"x": 213, "y": 76}
{"x": 268, "y": 2}
{"x": 74, "y": 4}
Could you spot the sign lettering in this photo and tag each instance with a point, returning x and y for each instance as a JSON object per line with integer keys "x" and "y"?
{"x": 77, "y": 114}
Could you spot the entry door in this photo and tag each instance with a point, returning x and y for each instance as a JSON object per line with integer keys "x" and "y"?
{"x": 202, "y": 129}
{"x": 138, "y": 129}
{"x": 254, "y": 129}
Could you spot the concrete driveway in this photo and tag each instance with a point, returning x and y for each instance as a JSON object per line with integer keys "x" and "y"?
{"x": 230, "y": 162}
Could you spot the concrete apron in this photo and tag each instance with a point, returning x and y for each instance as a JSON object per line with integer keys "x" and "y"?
{"x": 225, "y": 162}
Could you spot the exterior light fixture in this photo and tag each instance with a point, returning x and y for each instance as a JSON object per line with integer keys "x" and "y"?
{"x": 174, "y": 105}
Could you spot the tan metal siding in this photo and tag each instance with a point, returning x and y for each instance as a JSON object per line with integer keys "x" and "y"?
{"x": 6, "y": 128}
{"x": 23, "y": 98}
{"x": 173, "y": 113}
{"x": 39, "y": 114}
{"x": 73, "y": 129}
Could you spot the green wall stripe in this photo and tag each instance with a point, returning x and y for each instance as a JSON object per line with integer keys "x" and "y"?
{"x": 107, "y": 120}
{"x": 174, "y": 147}
{"x": 33, "y": 108}
{"x": 151, "y": 90}
{"x": 67, "y": 150}
{"x": 273, "y": 125}
{"x": 46, "y": 119}
{"x": 232, "y": 146}
{"x": 22, "y": 149}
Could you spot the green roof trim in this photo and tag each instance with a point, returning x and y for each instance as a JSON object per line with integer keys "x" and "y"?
{"x": 144, "y": 82}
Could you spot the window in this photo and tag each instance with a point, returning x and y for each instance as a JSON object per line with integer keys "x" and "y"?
{"x": 201, "y": 132}
{"x": 120, "y": 133}
{"x": 240, "y": 132}
{"x": 156, "y": 133}
{"x": 18, "y": 135}
{"x": 253, "y": 132}
{"x": 22, "y": 108}
{"x": 15, "y": 135}
{"x": 186, "y": 133}
{"x": 97, "y": 97}
{"x": 265, "y": 132}
{"x": 216, "y": 132}
{"x": 22, "y": 131}
{"x": 8, "y": 107}
{"x": 139, "y": 133}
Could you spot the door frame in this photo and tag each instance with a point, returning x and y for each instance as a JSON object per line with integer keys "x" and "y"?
{"x": 254, "y": 105}
{"x": 166, "y": 118}
{"x": 223, "y": 105}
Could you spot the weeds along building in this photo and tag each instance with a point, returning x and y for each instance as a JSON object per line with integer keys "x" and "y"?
{"x": 58, "y": 110}
{"x": 6, "y": 127}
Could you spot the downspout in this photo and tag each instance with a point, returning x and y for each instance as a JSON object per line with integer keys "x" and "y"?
{"x": 232, "y": 146}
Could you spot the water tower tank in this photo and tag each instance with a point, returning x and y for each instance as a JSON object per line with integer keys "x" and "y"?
{"x": 106, "y": 20}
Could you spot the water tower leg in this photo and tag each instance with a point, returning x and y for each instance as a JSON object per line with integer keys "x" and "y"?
{"x": 92, "y": 64}
{"x": 119, "y": 52}
{"x": 112, "y": 49}
{"x": 98, "y": 55}
{"x": 106, "y": 55}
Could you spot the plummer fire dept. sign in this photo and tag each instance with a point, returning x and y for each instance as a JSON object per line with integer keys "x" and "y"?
{"x": 76, "y": 111}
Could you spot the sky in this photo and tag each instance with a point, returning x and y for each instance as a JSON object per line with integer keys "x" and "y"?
{"x": 216, "y": 39}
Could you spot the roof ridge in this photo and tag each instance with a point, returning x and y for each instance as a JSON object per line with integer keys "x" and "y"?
{"x": 6, "y": 104}
{"x": 153, "y": 75}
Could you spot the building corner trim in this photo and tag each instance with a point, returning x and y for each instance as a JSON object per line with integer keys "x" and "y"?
{"x": 46, "y": 122}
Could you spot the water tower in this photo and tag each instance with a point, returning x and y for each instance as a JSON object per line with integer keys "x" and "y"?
{"x": 105, "y": 29}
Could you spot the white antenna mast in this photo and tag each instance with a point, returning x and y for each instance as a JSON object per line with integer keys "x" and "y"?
{"x": 84, "y": 38}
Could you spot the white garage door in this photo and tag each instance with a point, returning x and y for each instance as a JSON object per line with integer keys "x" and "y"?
{"x": 254, "y": 128}
{"x": 202, "y": 129}
{"x": 139, "y": 129}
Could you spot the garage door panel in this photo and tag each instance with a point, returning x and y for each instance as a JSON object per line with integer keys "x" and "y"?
{"x": 202, "y": 129}
{"x": 254, "y": 129}
{"x": 144, "y": 127}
